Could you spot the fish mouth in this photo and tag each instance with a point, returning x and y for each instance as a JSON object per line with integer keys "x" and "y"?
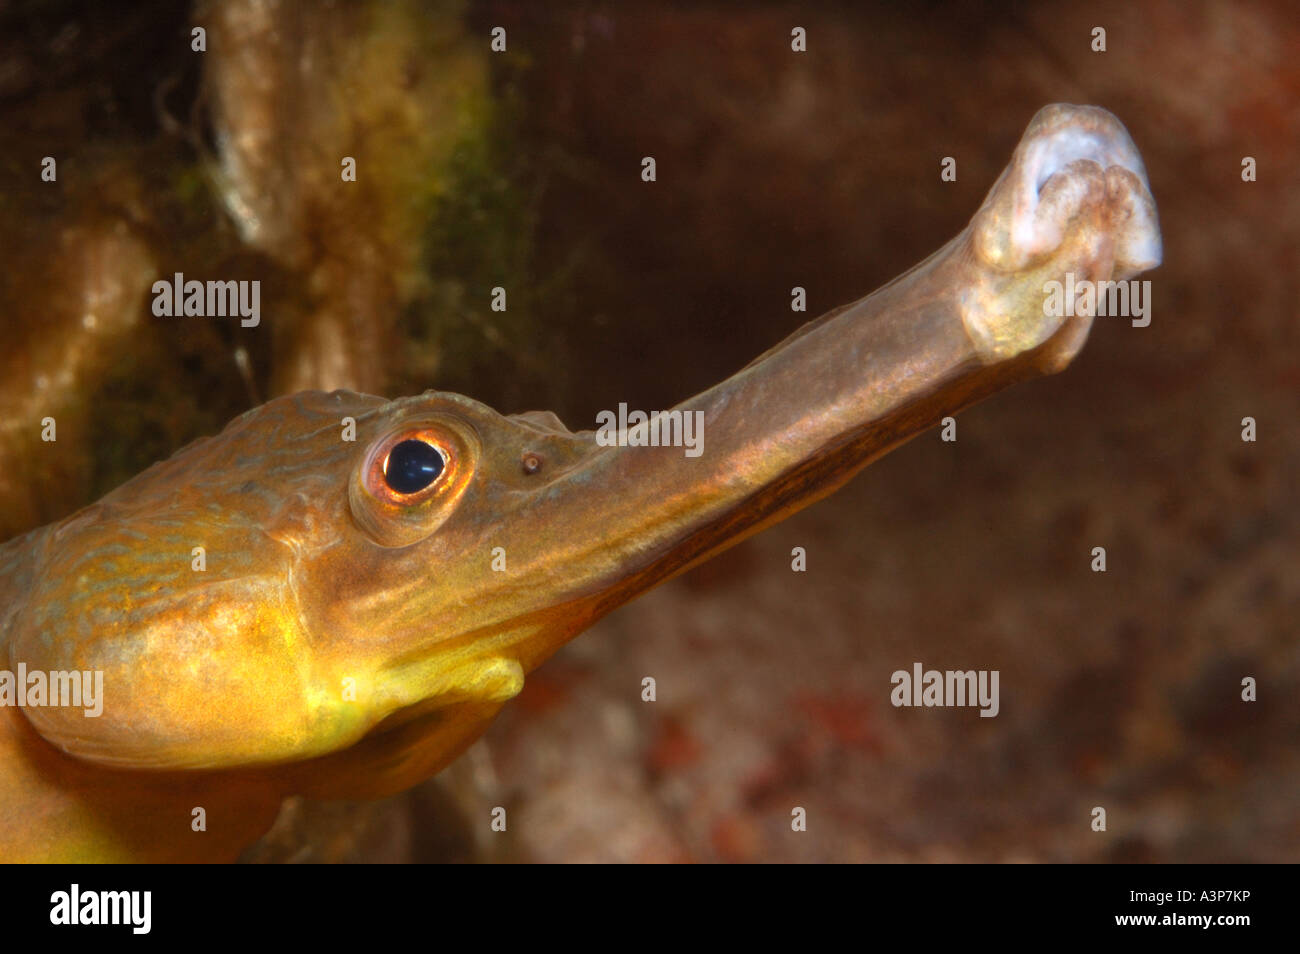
{"x": 1072, "y": 159}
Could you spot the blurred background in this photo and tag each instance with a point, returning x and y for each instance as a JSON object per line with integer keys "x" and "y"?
{"x": 521, "y": 168}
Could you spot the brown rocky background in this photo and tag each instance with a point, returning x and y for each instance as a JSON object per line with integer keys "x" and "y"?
{"x": 775, "y": 169}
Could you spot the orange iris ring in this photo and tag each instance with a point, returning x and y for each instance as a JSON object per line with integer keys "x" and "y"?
{"x": 376, "y": 470}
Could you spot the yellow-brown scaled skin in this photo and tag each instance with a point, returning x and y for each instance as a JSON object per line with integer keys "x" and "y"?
{"x": 343, "y": 641}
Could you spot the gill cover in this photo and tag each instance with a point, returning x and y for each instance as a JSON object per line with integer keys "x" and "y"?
{"x": 181, "y": 588}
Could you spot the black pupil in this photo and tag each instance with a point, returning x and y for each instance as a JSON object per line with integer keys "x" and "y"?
{"x": 412, "y": 466}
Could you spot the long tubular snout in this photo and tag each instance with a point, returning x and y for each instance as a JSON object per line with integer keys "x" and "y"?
{"x": 803, "y": 418}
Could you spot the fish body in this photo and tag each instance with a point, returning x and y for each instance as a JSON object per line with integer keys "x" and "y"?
{"x": 336, "y": 594}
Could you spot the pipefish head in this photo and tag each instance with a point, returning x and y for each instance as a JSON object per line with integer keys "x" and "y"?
{"x": 329, "y": 567}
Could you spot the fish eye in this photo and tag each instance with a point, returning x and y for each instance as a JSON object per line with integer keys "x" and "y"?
{"x": 412, "y": 465}
{"x": 408, "y": 480}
